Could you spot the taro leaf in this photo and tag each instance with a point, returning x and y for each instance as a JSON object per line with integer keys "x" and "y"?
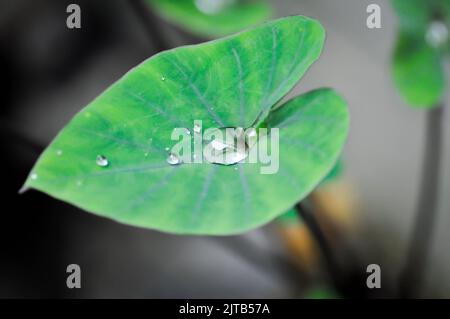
{"x": 225, "y": 83}
{"x": 232, "y": 18}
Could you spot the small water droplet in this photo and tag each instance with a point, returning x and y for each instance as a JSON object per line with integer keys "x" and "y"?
{"x": 197, "y": 128}
{"x": 79, "y": 183}
{"x": 437, "y": 34}
{"x": 102, "y": 161}
{"x": 163, "y": 78}
{"x": 173, "y": 159}
{"x": 167, "y": 149}
{"x": 146, "y": 154}
{"x": 34, "y": 176}
{"x": 188, "y": 132}
{"x": 59, "y": 152}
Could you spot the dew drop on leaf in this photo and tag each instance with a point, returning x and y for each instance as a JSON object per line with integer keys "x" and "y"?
{"x": 102, "y": 161}
{"x": 34, "y": 176}
{"x": 59, "y": 152}
{"x": 173, "y": 159}
{"x": 228, "y": 150}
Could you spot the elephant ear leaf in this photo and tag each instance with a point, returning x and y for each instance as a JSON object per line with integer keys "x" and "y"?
{"x": 112, "y": 159}
{"x": 212, "y": 18}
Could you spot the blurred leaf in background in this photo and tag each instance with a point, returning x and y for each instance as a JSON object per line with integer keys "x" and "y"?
{"x": 422, "y": 43}
{"x": 213, "y": 18}
{"x": 322, "y": 293}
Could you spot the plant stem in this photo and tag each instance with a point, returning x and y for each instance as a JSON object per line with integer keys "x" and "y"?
{"x": 313, "y": 225}
{"x": 145, "y": 14}
{"x": 427, "y": 207}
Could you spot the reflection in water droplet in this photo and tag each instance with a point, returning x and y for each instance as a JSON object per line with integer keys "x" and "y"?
{"x": 59, "y": 152}
{"x": 102, "y": 161}
{"x": 34, "y": 176}
{"x": 437, "y": 34}
{"x": 218, "y": 145}
{"x": 173, "y": 159}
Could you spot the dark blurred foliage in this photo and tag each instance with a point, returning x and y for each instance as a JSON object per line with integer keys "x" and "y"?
{"x": 38, "y": 54}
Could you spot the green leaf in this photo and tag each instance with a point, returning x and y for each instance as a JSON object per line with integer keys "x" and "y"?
{"x": 335, "y": 172}
{"x": 289, "y": 218}
{"x": 235, "y": 16}
{"x": 414, "y": 15}
{"x": 418, "y": 72}
{"x": 229, "y": 82}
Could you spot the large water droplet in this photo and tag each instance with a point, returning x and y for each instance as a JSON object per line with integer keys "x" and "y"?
{"x": 230, "y": 147}
{"x": 437, "y": 34}
{"x": 102, "y": 161}
{"x": 173, "y": 159}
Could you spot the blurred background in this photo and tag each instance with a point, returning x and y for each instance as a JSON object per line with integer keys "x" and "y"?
{"x": 49, "y": 72}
